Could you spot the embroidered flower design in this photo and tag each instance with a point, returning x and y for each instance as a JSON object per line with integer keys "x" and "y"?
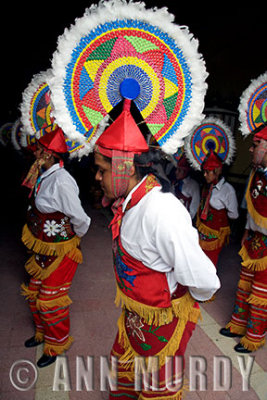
{"x": 255, "y": 245}
{"x": 51, "y": 228}
{"x": 134, "y": 324}
{"x": 256, "y": 191}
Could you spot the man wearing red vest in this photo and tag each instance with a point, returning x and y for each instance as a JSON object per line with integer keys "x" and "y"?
{"x": 55, "y": 223}
{"x": 249, "y": 318}
{"x": 160, "y": 270}
{"x": 218, "y": 204}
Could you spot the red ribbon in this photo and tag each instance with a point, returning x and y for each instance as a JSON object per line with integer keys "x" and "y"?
{"x": 204, "y": 213}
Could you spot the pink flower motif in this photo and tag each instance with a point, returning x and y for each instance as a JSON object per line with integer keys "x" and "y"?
{"x": 134, "y": 324}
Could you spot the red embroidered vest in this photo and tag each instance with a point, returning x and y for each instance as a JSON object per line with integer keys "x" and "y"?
{"x": 49, "y": 227}
{"x": 254, "y": 249}
{"x": 50, "y": 234}
{"x": 215, "y": 230}
{"x": 256, "y": 197}
{"x": 139, "y": 288}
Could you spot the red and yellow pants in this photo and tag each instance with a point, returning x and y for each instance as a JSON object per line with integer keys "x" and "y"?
{"x": 152, "y": 335}
{"x": 249, "y": 317}
{"x": 49, "y": 303}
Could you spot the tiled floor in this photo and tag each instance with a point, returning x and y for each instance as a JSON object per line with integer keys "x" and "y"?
{"x": 93, "y": 325}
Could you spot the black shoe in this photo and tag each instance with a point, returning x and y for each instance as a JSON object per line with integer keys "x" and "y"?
{"x": 32, "y": 342}
{"x": 226, "y": 332}
{"x": 46, "y": 360}
{"x": 241, "y": 349}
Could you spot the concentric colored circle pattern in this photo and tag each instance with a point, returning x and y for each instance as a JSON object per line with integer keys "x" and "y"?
{"x": 136, "y": 51}
{"x": 209, "y": 136}
{"x": 257, "y": 107}
{"x": 40, "y": 108}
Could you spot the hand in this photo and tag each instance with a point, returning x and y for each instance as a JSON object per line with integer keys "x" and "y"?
{"x": 244, "y": 238}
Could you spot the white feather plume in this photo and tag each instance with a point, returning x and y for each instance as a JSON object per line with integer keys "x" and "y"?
{"x": 107, "y": 11}
{"x": 244, "y": 99}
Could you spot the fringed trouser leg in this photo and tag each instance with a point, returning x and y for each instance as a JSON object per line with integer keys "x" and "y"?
{"x": 49, "y": 303}
{"x": 126, "y": 377}
{"x": 250, "y": 310}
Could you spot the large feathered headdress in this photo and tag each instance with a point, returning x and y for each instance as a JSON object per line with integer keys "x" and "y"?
{"x": 120, "y": 50}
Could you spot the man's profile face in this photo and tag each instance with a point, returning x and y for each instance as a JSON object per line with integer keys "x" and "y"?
{"x": 104, "y": 175}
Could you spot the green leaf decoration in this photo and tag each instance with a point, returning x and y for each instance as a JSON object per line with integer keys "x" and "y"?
{"x": 145, "y": 346}
{"x": 162, "y": 339}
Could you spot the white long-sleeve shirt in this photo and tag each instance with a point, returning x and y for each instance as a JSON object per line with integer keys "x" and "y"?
{"x": 190, "y": 188}
{"x": 223, "y": 196}
{"x": 158, "y": 232}
{"x": 58, "y": 191}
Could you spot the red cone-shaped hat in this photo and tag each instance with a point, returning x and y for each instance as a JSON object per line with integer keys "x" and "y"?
{"x": 123, "y": 134}
{"x": 261, "y": 134}
{"x": 212, "y": 161}
{"x": 54, "y": 141}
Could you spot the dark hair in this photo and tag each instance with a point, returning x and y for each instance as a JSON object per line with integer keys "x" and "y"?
{"x": 151, "y": 162}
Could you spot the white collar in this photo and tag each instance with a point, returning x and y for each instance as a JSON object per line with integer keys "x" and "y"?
{"x": 219, "y": 184}
{"x": 128, "y": 198}
{"x": 50, "y": 171}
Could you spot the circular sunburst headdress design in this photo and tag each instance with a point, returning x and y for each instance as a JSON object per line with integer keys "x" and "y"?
{"x": 253, "y": 105}
{"x": 121, "y": 50}
{"x": 37, "y": 116}
{"x": 36, "y": 105}
{"x": 211, "y": 134}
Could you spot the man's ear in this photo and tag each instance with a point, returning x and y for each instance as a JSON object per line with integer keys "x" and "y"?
{"x": 218, "y": 171}
{"x": 132, "y": 170}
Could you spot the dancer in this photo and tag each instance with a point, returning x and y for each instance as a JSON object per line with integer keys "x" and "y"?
{"x": 218, "y": 205}
{"x": 249, "y": 318}
{"x": 55, "y": 224}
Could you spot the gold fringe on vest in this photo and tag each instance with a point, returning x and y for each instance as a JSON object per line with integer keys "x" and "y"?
{"x": 222, "y": 235}
{"x": 160, "y": 316}
{"x": 38, "y": 272}
{"x": 182, "y": 308}
{"x": 48, "y": 248}
{"x": 258, "y": 264}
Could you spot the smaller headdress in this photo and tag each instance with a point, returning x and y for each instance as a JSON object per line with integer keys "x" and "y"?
{"x": 211, "y": 142}
{"x": 252, "y": 108}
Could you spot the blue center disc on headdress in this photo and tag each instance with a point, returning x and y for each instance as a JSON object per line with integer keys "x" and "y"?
{"x": 210, "y": 145}
{"x": 129, "y": 88}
